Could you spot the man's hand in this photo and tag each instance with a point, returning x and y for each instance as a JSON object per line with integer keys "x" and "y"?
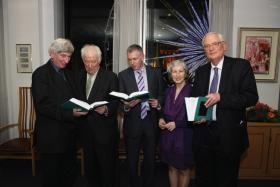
{"x": 154, "y": 103}
{"x": 101, "y": 110}
{"x": 203, "y": 121}
{"x": 132, "y": 103}
{"x": 78, "y": 113}
{"x": 213, "y": 98}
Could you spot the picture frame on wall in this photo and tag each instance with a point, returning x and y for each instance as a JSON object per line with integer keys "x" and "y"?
{"x": 260, "y": 46}
{"x": 23, "y": 58}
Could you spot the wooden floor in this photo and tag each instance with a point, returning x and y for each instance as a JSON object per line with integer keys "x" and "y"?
{"x": 14, "y": 173}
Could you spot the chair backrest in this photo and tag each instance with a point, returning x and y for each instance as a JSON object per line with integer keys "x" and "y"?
{"x": 26, "y": 116}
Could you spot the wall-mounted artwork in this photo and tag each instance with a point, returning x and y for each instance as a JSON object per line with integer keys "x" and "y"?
{"x": 260, "y": 47}
{"x": 23, "y": 58}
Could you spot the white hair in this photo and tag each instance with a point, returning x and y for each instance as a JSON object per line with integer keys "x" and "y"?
{"x": 91, "y": 47}
{"x": 61, "y": 45}
{"x": 220, "y": 36}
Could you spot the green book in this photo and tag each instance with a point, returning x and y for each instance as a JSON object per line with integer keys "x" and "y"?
{"x": 196, "y": 109}
{"x": 75, "y": 103}
{"x": 143, "y": 95}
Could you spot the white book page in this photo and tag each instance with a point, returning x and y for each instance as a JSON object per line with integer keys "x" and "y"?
{"x": 80, "y": 103}
{"x": 119, "y": 94}
{"x": 98, "y": 103}
{"x": 191, "y": 104}
{"x": 138, "y": 93}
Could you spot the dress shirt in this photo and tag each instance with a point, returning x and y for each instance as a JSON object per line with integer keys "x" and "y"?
{"x": 144, "y": 74}
{"x": 92, "y": 77}
{"x": 220, "y": 67}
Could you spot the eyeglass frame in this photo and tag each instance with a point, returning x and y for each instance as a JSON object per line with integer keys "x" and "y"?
{"x": 214, "y": 44}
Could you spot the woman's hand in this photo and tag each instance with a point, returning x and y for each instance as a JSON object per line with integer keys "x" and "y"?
{"x": 171, "y": 126}
{"x": 162, "y": 123}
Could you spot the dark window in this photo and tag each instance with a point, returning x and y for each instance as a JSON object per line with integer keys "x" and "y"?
{"x": 85, "y": 22}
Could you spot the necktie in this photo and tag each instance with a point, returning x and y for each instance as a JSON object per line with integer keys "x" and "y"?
{"x": 88, "y": 85}
{"x": 141, "y": 86}
{"x": 214, "y": 83}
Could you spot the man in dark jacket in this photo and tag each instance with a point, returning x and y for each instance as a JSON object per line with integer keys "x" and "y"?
{"x": 230, "y": 86}
{"x": 140, "y": 116}
{"x": 99, "y": 129}
{"x": 55, "y": 128}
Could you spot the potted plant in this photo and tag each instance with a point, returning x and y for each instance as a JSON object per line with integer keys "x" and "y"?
{"x": 263, "y": 113}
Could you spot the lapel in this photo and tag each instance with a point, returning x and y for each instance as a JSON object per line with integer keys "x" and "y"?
{"x": 83, "y": 82}
{"x": 64, "y": 87}
{"x": 149, "y": 77}
{"x": 70, "y": 80}
{"x": 224, "y": 77}
{"x": 205, "y": 80}
{"x": 55, "y": 75}
{"x": 96, "y": 86}
{"x": 132, "y": 83}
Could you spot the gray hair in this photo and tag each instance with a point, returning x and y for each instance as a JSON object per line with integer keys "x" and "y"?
{"x": 178, "y": 63}
{"x": 91, "y": 47}
{"x": 61, "y": 45}
{"x": 134, "y": 47}
{"x": 220, "y": 36}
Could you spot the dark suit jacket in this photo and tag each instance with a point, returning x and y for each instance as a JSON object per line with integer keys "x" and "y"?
{"x": 237, "y": 90}
{"x": 103, "y": 128}
{"x": 55, "y": 127}
{"x": 127, "y": 84}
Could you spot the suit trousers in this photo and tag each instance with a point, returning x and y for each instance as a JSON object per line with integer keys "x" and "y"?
{"x": 100, "y": 162}
{"x": 59, "y": 169}
{"x": 147, "y": 141}
{"x": 213, "y": 167}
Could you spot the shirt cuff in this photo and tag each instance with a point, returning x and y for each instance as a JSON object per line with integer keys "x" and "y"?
{"x": 158, "y": 107}
{"x": 126, "y": 109}
{"x": 106, "y": 111}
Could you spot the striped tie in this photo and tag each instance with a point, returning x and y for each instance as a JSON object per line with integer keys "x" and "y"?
{"x": 213, "y": 89}
{"x": 214, "y": 83}
{"x": 141, "y": 86}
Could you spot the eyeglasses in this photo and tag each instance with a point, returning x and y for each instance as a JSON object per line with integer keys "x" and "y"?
{"x": 215, "y": 45}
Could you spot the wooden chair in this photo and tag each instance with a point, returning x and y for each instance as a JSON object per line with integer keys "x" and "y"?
{"x": 22, "y": 146}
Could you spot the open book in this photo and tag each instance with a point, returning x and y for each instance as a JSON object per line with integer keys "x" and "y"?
{"x": 75, "y": 103}
{"x": 135, "y": 95}
{"x": 196, "y": 109}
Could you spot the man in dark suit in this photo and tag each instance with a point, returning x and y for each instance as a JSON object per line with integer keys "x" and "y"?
{"x": 99, "y": 129}
{"x": 230, "y": 87}
{"x": 55, "y": 129}
{"x": 140, "y": 117}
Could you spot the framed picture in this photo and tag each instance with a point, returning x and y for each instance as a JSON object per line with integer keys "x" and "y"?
{"x": 260, "y": 47}
{"x": 23, "y": 58}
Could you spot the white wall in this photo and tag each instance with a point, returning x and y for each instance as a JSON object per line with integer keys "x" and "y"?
{"x": 20, "y": 27}
{"x": 25, "y": 22}
{"x": 262, "y": 14}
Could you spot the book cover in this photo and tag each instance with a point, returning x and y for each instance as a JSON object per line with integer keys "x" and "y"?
{"x": 84, "y": 106}
{"x": 196, "y": 109}
{"x": 143, "y": 95}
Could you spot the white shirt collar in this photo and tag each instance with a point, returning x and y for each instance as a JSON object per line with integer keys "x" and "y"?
{"x": 220, "y": 64}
